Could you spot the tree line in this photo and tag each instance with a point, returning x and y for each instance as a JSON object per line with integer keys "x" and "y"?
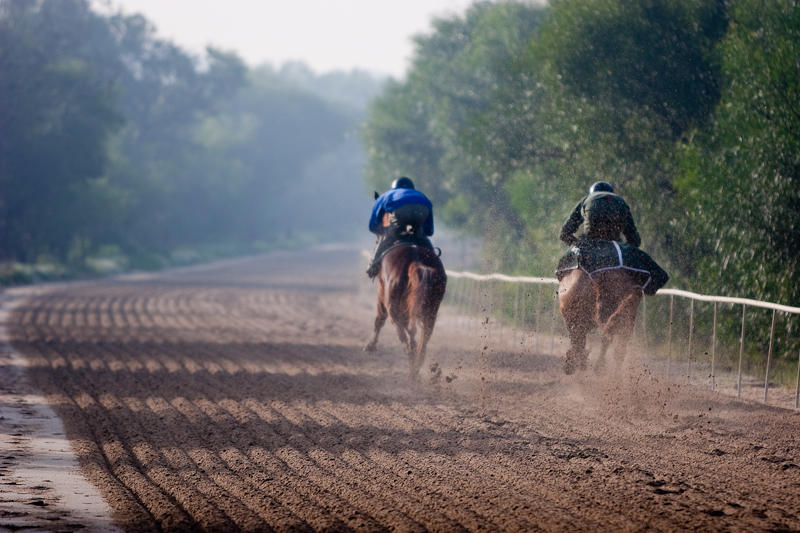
{"x": 117, "y": 143}
{"x": 691, "y": 108}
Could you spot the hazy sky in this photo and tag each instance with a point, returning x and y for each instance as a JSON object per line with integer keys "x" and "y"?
{"x": 372, "y": 35}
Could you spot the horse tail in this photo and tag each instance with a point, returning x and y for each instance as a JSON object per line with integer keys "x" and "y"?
{"x": 426, "y": 290}
{"x": 419, "y": 282}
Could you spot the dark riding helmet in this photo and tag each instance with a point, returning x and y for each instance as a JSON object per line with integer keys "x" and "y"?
{"x": 403, "y": 183}
{"x": 601, "y": 186}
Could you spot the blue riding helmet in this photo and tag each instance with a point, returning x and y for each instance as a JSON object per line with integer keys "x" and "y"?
{"x": 403, "y": 183}
{"x": 601, "y": 186}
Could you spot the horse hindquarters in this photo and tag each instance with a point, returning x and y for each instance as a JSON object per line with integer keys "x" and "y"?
{"x": 621, "y": 324}
{"x": 618, "y": 297}
{"x": 393, "y": 297}
{"x": 576, "y": 300}
{"x": 391, "y": 286}
{"x": 425, "y": 293}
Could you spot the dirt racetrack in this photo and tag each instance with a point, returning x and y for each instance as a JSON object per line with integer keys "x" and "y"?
{"x": 237, "y": 397}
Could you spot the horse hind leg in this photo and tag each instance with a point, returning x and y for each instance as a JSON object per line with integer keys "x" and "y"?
{"x": 380, "y": 320}
{"x": 577, "y": 354}
{"x": 405, "y": 335}
{"x": 423, "y": 309}
{"x": 605, "y": 343}
{"x": 427, "y": 324}
{"x": 576, "y": 300}
{"x": 620, "y": 324}
{"x": 411, "y": 331}
{"x": 578, "y": 326}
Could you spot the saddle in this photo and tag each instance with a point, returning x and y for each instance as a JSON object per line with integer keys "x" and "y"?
{"x": 593, "y": 256}
{"x": 405, "y": 240}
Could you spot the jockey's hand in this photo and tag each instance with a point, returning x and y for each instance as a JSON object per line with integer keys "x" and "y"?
{"x": 569, "y": 239}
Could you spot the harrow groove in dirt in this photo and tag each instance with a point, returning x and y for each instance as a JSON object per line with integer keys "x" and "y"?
{"x": 236, "y": 396}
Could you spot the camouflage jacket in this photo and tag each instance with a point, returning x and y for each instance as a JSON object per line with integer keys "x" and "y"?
{"x": 604, "y": 216}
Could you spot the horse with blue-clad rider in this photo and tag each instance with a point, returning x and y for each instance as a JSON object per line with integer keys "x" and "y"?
{"x": 411, "y": 277}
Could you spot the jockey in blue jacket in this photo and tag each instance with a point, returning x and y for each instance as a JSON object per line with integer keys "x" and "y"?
{"x": 400, "y": 214}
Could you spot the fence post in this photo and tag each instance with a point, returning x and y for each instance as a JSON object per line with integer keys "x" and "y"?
{"x": 669, "y": 336}
{"x": 714, "y": 349}
{"x": 460, "y": 305}
{"x": 516, "y": 327}
{"x": 524, "y": 317}
{"x": 463, "y": 300}
{"x": 691, "y": 333}
{"x": 797, "y": 387}
{"x": 741, "y": 353}
{"x": 491, "y": 299}
{"x": 471, "y": 296}
{"x": 477, "y": 303}
{"x": 769, "y": 355}
{"x": 466, "y": 303}
{"x": 644, "y": 327}
{"x": 553, "y": 323}
{"x": 538, "y": 311}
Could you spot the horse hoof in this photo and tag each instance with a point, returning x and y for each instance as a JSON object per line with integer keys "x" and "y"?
{"x": 371, "y": 347}
{"x": 569, "y": 367}
{"x": 599, "y": 365}
{"x": 436, "y": 374}
{"x": 583, "y": 360}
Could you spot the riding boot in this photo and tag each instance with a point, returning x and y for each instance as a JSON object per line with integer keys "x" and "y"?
{"x": 374, "y": 269}
{"x": 375, "y": 263}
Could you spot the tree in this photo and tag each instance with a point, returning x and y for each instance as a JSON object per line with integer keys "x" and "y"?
{"x": 435, "y": 125}
{"x": 259, "y": 145}
{"x": 114, "y": 136}
{"x": 741, "y": 177}
{"x": 57, "y": 113}
{"x": 629, "y": 80}
{"x": 511, "y": 112}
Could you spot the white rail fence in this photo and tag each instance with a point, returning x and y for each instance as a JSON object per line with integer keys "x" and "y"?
{"x": 515, "y": 303}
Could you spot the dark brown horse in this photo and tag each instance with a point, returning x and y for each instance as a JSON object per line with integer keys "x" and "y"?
{"x": 607, "y": 300}
{"x": 411, "y": 285}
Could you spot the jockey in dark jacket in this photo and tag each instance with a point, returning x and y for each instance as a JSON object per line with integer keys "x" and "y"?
{"x": 400, "y": 214}
{"x": 603, "y": 215}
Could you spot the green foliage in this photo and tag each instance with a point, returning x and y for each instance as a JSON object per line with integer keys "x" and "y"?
{"x": 348, "y": 90}
{"x": 628, "y": 80}
{"x": 741, "y": 177}
{"x": 57, "y": 114}
{"x": 640, "y": 57}
{"x": 428, "y": 127}
{"x": 114, "y": 138}
{"x": 689, "y": 107}
{"x": 258, "y": 148}
{"x": 509, "y": 113}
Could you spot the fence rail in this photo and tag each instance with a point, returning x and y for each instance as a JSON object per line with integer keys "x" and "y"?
{"x": 500, "y": 277}
{"x": 672, "y": 294}
{"x": 727, "y": 300}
